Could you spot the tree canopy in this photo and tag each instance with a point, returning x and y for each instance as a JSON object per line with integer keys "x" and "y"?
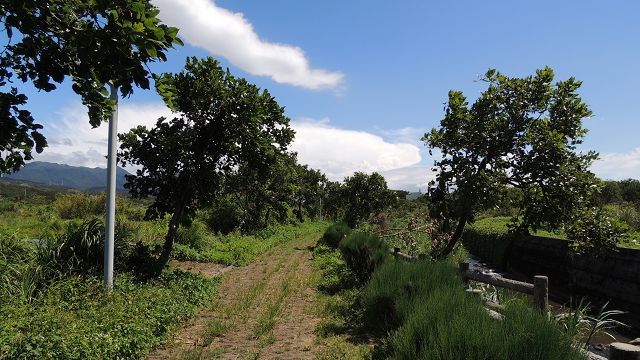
{"x": 91, "y": 42}
{"x": 222, "y": 123}
{"x": 363, "y": 195}
{"x": 520, "y": 133}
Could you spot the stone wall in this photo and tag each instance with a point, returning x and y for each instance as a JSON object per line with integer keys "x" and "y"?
{"x": 613, "y": 277}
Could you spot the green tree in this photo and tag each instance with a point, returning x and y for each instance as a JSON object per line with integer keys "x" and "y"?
{"x": 610, "y": 193}
{"x": 630, "y": 189}
{"x": 90, "y": 42}
{"x": 265, "y": 193}
{"x": 332, "y": 200}
{"x": 221, "y": 123}
{"x": 363, "y": 195}
{"x": 310, "y": 189}
{"x": 520, "y": 133}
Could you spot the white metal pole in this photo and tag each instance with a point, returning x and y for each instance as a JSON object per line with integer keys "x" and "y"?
{"x": 111, "y": 191}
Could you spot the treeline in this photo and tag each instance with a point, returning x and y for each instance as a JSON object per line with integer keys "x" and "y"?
{"x": 618, "y": 192}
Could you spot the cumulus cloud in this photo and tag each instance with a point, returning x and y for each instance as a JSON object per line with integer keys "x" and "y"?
{"x": 413, "y": 178}
{"x": 72, "y": 141}
{"x": 340, "y": 152}
{"x": 618, "y": 166}
{"x": 337, "y": 152}
{"x": 222, "y": 32}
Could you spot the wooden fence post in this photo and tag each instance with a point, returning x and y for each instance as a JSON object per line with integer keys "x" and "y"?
{"x": 541, "y": 292}
{"x": 620, "y": 351}
{"x": 464, "y": 267}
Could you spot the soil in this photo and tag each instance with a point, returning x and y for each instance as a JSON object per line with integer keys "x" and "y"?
{"x": 267, "y": 309}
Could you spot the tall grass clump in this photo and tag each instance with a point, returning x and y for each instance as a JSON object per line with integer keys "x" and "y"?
{"x": 423, "y": 312}
{"x": 389, "y": 297}
{"x": 363, "y": 253}
{"x": 335, "y": 233}
{"x": 335, "y": 276}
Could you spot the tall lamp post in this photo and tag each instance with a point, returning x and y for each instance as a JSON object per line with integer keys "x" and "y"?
{"x": 111, "y": 191}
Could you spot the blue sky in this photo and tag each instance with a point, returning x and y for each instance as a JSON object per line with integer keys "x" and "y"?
{"x": 363, "y": 80}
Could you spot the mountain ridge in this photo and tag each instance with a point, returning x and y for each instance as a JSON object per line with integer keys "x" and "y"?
{"x": 75, "y": 177}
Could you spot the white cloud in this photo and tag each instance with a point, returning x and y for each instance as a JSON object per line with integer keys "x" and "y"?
{"x": 72, "y": 141}
{"x": 406, "y": 134}
{"x": 339, "y": 152}
{"x": 618, "y": 166}
{"x": 222, "y": 32}
{"x": 413, "y": 178}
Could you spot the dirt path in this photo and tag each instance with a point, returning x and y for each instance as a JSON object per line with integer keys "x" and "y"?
{"x": 263, "y": 310}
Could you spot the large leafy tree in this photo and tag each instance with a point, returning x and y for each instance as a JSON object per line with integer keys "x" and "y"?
{"x": 222, "y": 123}
{"x": 264, "y": 194}
{"x": 332, "y": 204}
{"x": 91, "y": 42}
{"x": 310, "y": 189}
{"x": 521, "y": 133}
{"x": 364, "y": 195}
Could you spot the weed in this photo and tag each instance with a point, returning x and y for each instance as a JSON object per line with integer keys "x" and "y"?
{"x": 363, "y": 253}
{"x": 214, "y": 329}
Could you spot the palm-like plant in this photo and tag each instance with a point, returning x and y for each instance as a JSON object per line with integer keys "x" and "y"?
{"x": 582, "y": 327}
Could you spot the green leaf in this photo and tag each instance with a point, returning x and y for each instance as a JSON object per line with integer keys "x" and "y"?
{"x": 151, "y": 50}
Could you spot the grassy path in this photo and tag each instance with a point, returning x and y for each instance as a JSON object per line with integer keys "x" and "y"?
{"x": 267, "y": 309}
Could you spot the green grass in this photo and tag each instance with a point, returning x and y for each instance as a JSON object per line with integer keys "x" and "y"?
{"x": 53, "y": 310}
{"x": 74, "y": 318}
{"x": 214, "y": 329}
{"x": 240, "y": 249}
{"x": 419, "y": 310}
{"x": 263, "y": 330}
{"x": 425, "y": 311}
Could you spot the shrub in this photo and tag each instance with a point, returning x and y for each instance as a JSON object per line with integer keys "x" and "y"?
{"x": 625, "y": 212}
{"x": 595, "y": 232}
{"x": 433, "y": 318}
{"x": 363, "y": 253}
{"x": 194, "y": 235}
{"x": 81, "y": 246}
{"x": 79, "y": 205}
{"x": 335, "y": 233}
{"x": 224, "y": 217}
{"x": 489, "y": 239}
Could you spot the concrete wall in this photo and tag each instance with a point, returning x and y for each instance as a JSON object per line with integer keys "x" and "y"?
{"x": 612, "y": 277}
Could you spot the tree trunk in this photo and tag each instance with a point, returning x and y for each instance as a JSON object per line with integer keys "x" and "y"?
{"x": 169, "y": 239}
{"x": 300, "y": 217}
{"x": 455, "y": 238}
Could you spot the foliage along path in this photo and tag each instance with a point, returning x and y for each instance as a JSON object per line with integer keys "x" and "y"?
{"x": 267, "y": 309}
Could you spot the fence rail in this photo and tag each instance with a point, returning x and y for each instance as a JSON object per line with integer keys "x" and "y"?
{"x": 539, "y": 289}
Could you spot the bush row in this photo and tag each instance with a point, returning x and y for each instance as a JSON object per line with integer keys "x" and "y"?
{"x": 419, "y": 310}
{"x": 489, "y": 239}
{"x": 425, "y": 311}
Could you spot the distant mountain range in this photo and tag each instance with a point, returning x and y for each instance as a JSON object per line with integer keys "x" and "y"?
{"x": 76, "y": 177}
